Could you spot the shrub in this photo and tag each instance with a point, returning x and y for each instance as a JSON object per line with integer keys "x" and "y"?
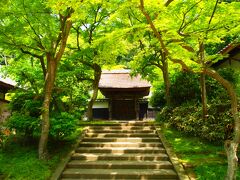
{"x": 5, "y": 134}
{"x": 26, "y": 102}
{"x": 63, "y": 125}
{"x": 24, "y": 124}
{"x": 165, "y": 114}
{"x": 186, "y": 87}
{"x": 215, "y": 90}
{"x": 188, "y": 118}
{"x": 158, "y": 97}
{"x": 26, "y": 107}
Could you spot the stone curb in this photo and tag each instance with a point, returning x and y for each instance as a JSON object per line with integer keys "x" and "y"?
{"x": 57, "y": 173}
{"x": 173, "y": 157}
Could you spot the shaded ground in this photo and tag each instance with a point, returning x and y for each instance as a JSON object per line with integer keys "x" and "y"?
{"x": 202, "y": 160}
{"x": 19, "y": 161}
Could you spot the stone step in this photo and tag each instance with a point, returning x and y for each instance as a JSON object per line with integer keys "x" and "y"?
{"x": 107, "y": 179}
{"x": 126, "y": 123}
{"x": 132, "y": 139}
{"x": 119, "y": 150}
{"x": 119, "y": 157}
{"x": 122, "y": 128}
{"x": 128, "y": 150}
{"x": 120, "y": 164}
{"x": 132, "y": 123}
{"x": 120, "y": 131}
{"x": 119, "y": 173}
{"x": 120, "y": 135}
{"x": 119, "y": 144}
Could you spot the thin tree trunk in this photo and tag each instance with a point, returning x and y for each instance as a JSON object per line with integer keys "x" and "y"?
{"x": 53, "y": 59}
{"x": 49, "y": 83}
{"x": 97, "y": 76}
{"x": 166, "y": 82}
{"x": 203, "y": 95}
{"x": 203, "y": 79}
{"x": 231, "y": 146}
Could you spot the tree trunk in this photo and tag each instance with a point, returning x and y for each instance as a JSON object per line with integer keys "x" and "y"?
{"x": 97, "y": 76}
{"x": 231, "y": 146}
{"x": 231, "y": 150}
{"x": 203, "y": 95}
{"x": 203, "y": 79}
{"x": 49, "y": 83}
{"x": 166, "y": 82}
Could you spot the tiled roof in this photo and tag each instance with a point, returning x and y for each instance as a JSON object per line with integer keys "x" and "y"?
{"x": 121, "y": 79}
{"x": 7, "y": 81}
{"x": 232, "y": 50}
{"x": 229, "y": 48}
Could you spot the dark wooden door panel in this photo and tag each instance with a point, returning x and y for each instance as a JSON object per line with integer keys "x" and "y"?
{"x": 123, "y": 109}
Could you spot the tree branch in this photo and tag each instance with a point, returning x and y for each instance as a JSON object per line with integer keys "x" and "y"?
{"x": 214, "y": 10}
{"x": 180, "y": 62}
{"x": 39, "y": 41}
{"x": 64, "y": 34}
{"x": 78, "y": 35}
{"x": 155, "y": 31}
{"x": 40, "y": 57}
{"x": 184, "y": 24}
{"x": 84, "y": 79}
{"x": 168, "y": 2}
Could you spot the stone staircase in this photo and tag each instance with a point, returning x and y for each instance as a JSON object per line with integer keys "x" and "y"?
{"x": 130, "y": 150}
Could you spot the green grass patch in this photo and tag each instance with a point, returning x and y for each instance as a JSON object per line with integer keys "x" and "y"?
{"x": 105, "y": 123}
{"x": 97, "y": 123}
{"x": 200, "y": 158}
{"x": 22, "y": 163}
{"x": 19, "y": 161}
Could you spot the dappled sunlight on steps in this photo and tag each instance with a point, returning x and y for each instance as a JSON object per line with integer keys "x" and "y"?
{"x": 130, "y": 150}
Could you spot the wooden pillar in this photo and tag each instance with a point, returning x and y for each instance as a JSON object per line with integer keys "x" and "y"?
{"x": 136, "y": 104}
{"x": 110, "y": 109}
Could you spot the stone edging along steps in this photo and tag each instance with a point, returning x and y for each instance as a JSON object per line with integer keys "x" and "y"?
{"x": 125, "y": 150}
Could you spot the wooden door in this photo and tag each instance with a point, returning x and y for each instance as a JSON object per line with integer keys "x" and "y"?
{"x": 123, "y": 109}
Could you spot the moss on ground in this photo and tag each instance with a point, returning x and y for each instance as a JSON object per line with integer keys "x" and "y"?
{"x": 201, "y": 159}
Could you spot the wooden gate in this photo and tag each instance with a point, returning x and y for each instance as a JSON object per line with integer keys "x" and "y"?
{"x": 123, "y": 109}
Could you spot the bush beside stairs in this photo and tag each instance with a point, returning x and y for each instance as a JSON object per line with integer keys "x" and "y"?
{"x": 125, "y": 150}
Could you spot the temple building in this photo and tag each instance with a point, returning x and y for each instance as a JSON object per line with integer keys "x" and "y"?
{"x": 231, "y": 59}
{"x": 124, "y": 96}
{"x": 5, "y": 86}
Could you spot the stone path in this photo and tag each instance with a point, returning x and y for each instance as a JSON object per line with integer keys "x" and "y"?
{"x": 130, "y": 150}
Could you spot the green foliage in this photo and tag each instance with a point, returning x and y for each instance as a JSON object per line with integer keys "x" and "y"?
{"x": 5, "y": 135}
{"x": 19, "y": 162}
{"x": 23, "y": 165}
{"x": 158, "y": 97}
{"x": 26, "y": 107}
{"x": 63, "y": 125}
{"x": 28, "y": 125}
{"x": 204, "y": 159}
{"x": 186, "y": 87}
{"x": 216, "y": 90}
{"x": 188, "y": 118}
{"x": 26, "y": 102}
{"x": 71, "y": 93}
